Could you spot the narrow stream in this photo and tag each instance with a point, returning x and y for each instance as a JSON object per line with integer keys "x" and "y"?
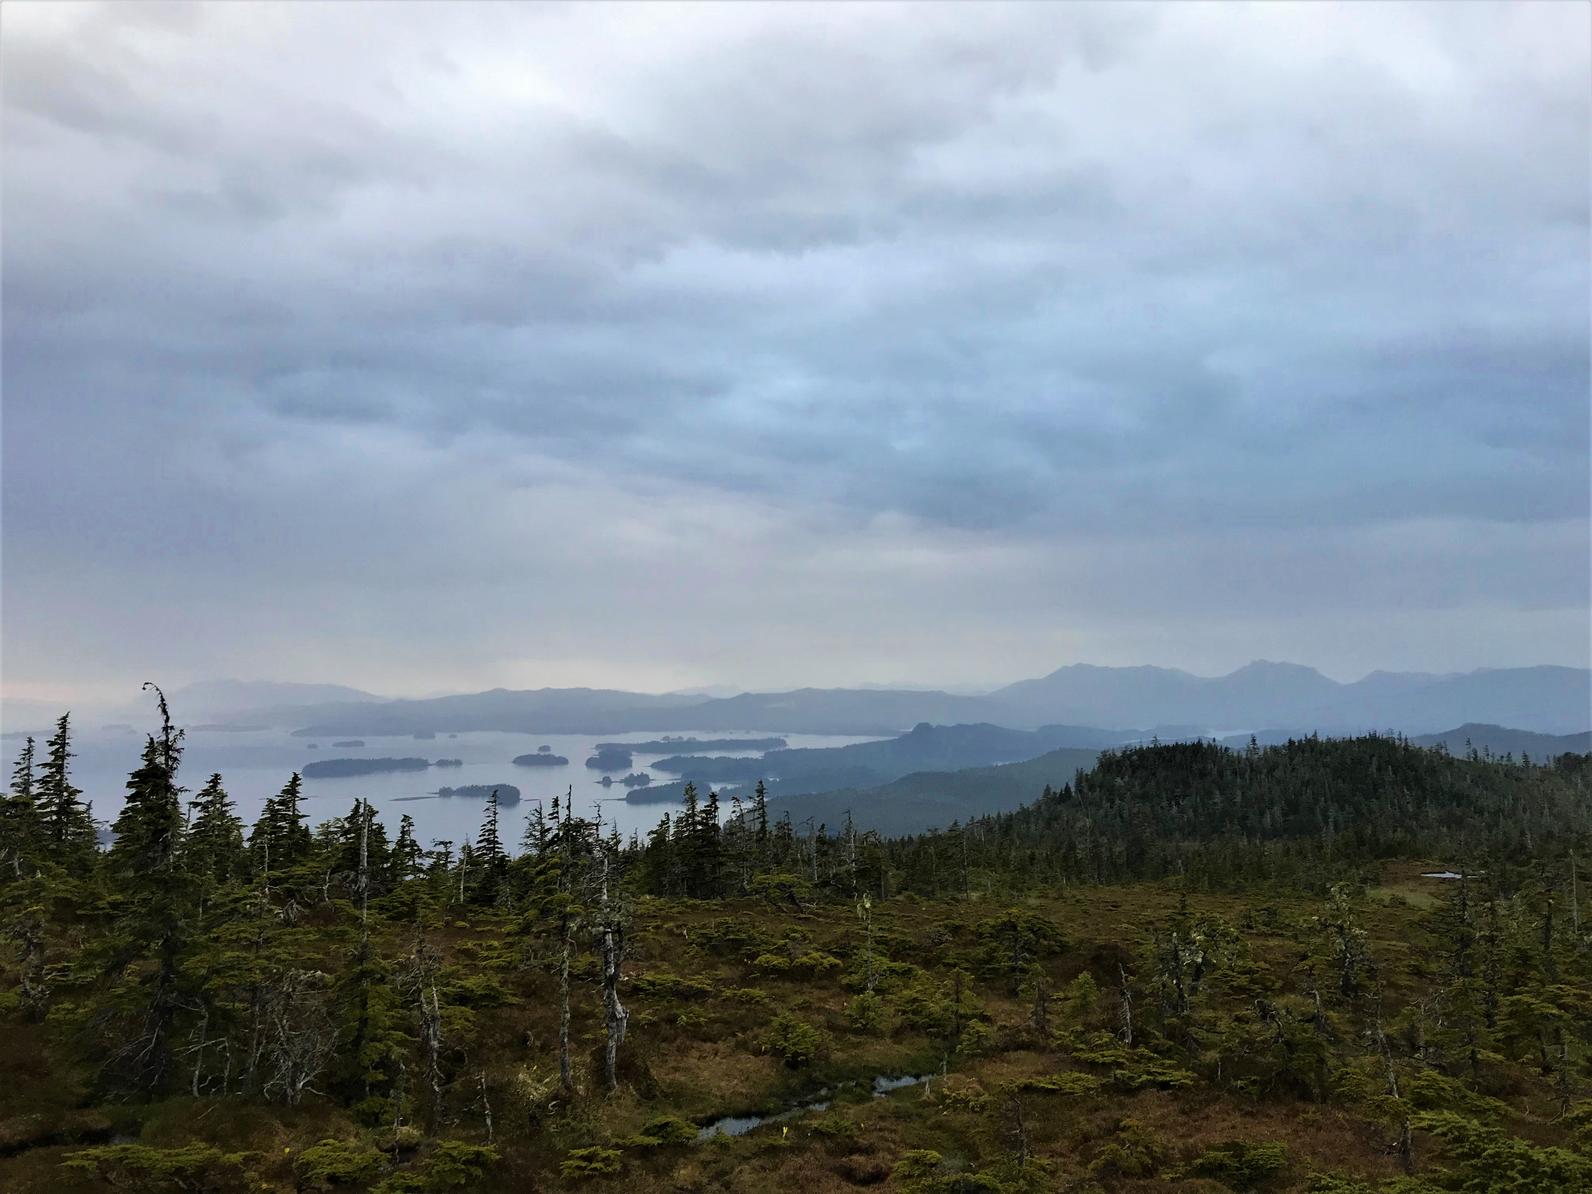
{"x": 740, "y": 1125}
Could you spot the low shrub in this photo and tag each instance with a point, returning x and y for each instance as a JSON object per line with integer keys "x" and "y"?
{"x": 794, "y": 1041}
{"x": 596, "y": 1161}
{"x": 331, "y": 1163}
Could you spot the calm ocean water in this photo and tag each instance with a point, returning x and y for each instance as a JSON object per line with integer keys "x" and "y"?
{"x": 256, "y": 764}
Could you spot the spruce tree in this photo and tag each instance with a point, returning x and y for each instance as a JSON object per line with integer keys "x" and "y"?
{"x": 20, "y": 831}
{"x": 149, "y": 827}
{"x": 213, "y": 847}
{"x": 67, "y": 822}
{"x": 407, "y": 858}
{"x": 144, "y": 866}
{"x": 489, "y": 855}
{"x": 280, "y": 839}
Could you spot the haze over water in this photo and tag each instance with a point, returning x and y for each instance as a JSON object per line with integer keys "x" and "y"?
{"x": 255, "y": 764}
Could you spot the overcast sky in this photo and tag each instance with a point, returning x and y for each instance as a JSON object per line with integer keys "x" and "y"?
{"x": 427, "y": 348}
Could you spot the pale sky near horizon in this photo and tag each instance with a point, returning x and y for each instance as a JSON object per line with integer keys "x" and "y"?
{"x": 442, "y": 347}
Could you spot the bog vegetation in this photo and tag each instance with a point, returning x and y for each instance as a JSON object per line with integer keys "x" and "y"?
{"x": 1190, "y": 968}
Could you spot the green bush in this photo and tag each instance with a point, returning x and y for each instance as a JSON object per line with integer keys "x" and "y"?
{"x": 865, "y": 1012}
{"x": 976, "y": 1039}
{"x": 916, "y": 1164}
{"x": 1491, "y": 1161}
{"x": 1240, "y": 1165}
{"x": 192, "y": 1167}
{"x": 1135, "y": 1152}
{"x": 963, "y": 1094}
{"x": 795, "y": 1041}
{"x": 921, "y": 1007}
{"x": 452, "y": 1165}
{"x": 331, "y": 1163}
{"x": 582, "y": 1163}
{"x": 665, "y": 984}
{"x": 1150, "y": 1072}
{"x": 666, "y": 1131}
{"x": 816, "y": 962}
{"x": 1070, "y": 1083}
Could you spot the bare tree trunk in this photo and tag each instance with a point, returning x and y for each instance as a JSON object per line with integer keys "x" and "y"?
{"x": 199, "y": 1050}
{"x": 1127, "y": 1007}
{"x": 1404, "y": 1147}
{"x": 617, "y": 1019}
{"x": 486, "y": 1105}
{"x": 566, "y": 1079}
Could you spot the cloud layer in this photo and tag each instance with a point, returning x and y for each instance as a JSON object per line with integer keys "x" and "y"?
{"x": 435, "y": 346}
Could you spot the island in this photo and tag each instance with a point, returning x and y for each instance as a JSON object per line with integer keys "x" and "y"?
{"x": 636, "y": 779}
{"x": 540, "y": 760}
{"x": 345, "y": 768}
{"x": 673, "y": 793}
{"x": 714, "y": 768}
{"x": 506, "y": 793}
{"x": 671, "y": 745}
{"x": 610, "y": 757}
{"x": 448, "y": 763}
{"x": 350, "y": 744}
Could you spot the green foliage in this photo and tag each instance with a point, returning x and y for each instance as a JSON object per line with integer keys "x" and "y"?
{"x": 595, "y": 1161}
{"x": 866, "y": 1013}
{"x": 666, "y": 984}
{"x": 817, "y": 963}
{"x": 665, "y": 1131}
{"x": 977, "y": 1039}
{"x": 1433, "y": 1091}
{"x": 1148, "y": 1071}
{"x": 451, "y": 1165}
{"x": 962, "y": 1094}
{"x": 188, "y": 1168}
{"x": 1134, "y": 1151}
{"x": 478, "y": 990}
{"x": 1490, "y": 1161}
{"x": 1012, "y": 941}
{"x": 1240, "y": 1164}
{"x": 332, "y": 1163}
{"x": 1072, "y": 1082}
{"x": 794, "y": 1041}
{"x": 916, "y": 1163}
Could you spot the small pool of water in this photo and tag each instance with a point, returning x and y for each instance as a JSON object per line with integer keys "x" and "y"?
{"x": 740, "y": 1125}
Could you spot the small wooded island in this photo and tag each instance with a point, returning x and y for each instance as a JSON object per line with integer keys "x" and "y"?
{"x": 345, "y": 768}
{"x": 541, "y": 759}
{"x": 610, "y": 756}
{"x": 671, "y": 745}
{"x": 506, "y": 793}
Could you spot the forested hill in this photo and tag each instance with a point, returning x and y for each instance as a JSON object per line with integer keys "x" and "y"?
{"x": 1209, "y": 811}
{"x": 1503, "y": 742}
{"x": 915, "y": 803}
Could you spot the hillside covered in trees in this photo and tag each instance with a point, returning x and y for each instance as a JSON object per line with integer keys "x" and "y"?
{"x": 1187, "y": 967}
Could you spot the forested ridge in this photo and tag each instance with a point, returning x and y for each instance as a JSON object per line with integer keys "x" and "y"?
{"x": 1190, "y": 966}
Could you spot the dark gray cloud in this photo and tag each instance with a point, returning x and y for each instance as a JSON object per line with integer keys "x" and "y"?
{"x": 651, "y": 345}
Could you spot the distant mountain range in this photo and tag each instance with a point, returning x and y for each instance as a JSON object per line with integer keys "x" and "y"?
{"x": 1259, "y": 697}
{"x": 1266, "y": 695}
